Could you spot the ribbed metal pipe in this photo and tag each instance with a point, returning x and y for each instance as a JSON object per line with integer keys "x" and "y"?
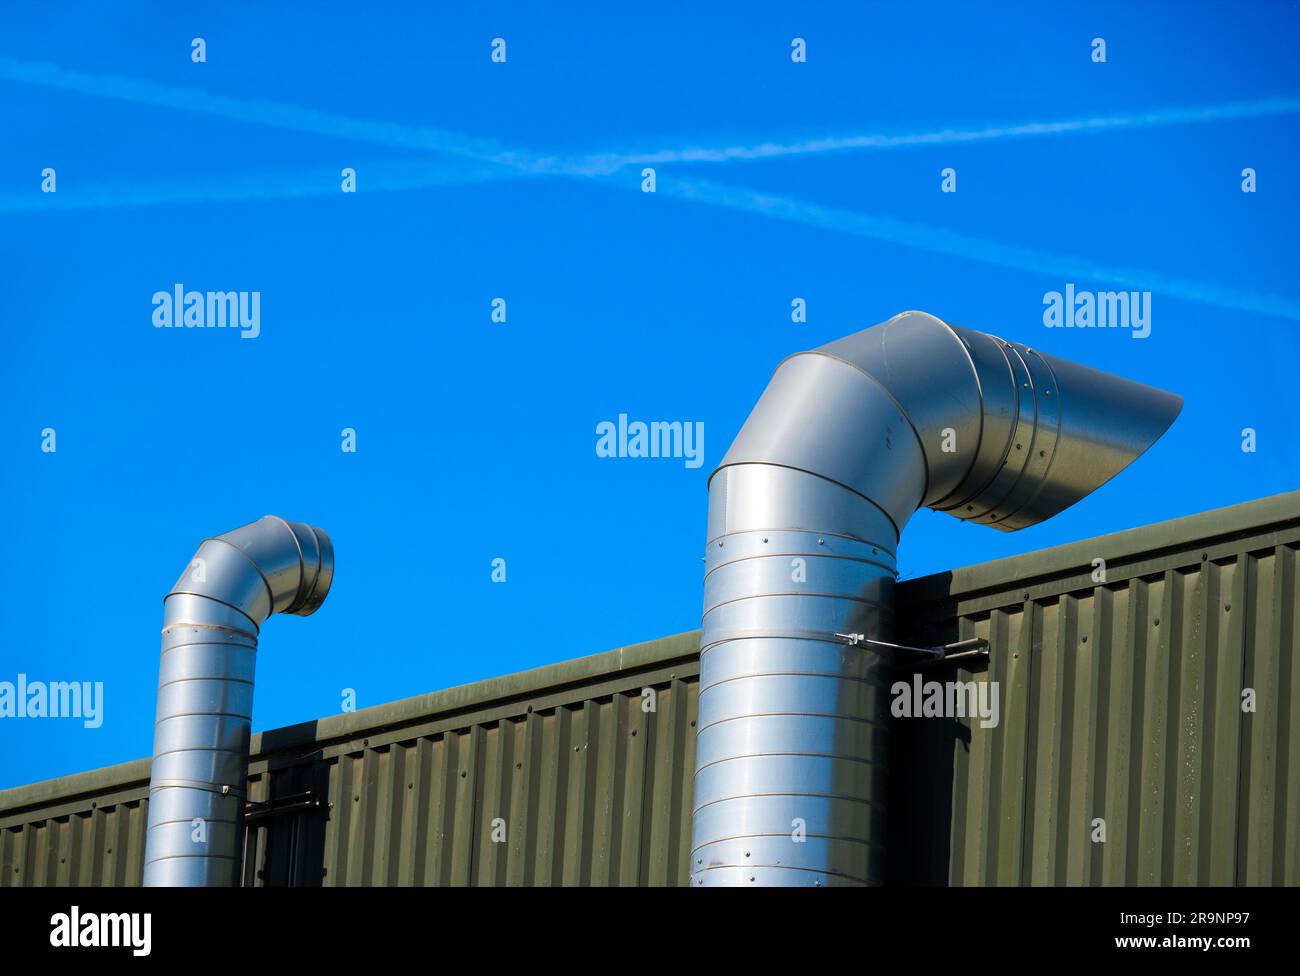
{"x": 805, "y": 513}
{"x": 211, "y": 620}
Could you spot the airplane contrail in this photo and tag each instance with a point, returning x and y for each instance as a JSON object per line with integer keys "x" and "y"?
{"x": 500, "y": 162}
{"x": 940, "y": 241}
{"x": 402, "y": 136}
{"x": 279, "y": 115}
{"x": 610, "y": 162}
{"x": 371, "y": 178}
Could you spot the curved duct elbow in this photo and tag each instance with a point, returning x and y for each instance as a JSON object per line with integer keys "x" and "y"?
{"x": 211, "y": 620}
{"x": 1010, "y": 435}
{"x": 805, "y": 513}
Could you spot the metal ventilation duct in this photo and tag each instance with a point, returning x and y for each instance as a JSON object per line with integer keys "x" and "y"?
{"x": 205, "y": 691}
{"x": 805, "y": 512}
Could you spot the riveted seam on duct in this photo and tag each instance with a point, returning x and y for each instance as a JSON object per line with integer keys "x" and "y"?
{"x": 792, "y": 723}
{"x": 205, "y": 691}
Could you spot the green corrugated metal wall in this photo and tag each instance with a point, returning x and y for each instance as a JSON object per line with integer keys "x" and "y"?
{"x": 580, "y": 787}
{"x": 1120, "y": 700}
{"x": 587, "y": 764}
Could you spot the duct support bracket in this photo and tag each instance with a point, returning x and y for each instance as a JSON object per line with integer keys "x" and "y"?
{"x": 974, "y": 647}
{"x": 294, "y": 802}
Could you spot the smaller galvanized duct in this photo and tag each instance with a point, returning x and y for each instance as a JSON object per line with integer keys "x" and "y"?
{"x": 211, "y": 620}
{"x": 805, "y": 513}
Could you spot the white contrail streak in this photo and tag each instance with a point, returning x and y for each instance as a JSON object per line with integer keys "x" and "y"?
{"x": 371, "y": 178}
{"x": 255, "y": 111}
{"x": 427, "y": 138}
{"x": 610, "y": 162}
{"x": 939, "y": 241}
{"x": 496, "y": 162}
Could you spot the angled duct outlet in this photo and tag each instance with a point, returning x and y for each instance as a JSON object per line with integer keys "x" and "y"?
{"x": 211, "y": 620}
{"x": 1000, "y": 447}
{"x": 805, "y": 513}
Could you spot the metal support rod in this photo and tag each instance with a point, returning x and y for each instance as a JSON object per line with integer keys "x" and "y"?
{"x": 948, "y": 651}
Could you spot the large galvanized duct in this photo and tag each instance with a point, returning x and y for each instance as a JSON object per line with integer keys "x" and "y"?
{"x": 805, "y": 512}
{"x": 205, "y": 691}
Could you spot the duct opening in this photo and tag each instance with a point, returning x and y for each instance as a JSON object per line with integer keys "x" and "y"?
{"x": 211, "y": 621}
{"x": 805, "y": 514}
{"x": 1011, "y": 435}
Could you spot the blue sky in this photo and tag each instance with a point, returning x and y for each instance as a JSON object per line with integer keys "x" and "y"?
{"x": 521, "y": 180}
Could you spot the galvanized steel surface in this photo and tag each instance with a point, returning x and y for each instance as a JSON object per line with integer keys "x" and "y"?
{"x": 792, "y": 722}
{"x": 1140, "y": 725}
{"x": 805, "y": 512}
{"x": 205, "y": 691}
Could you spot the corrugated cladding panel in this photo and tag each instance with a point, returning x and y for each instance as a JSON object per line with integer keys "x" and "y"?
{"x": 576, "y": 773}
{"x": 592, "y": 791}
{"x": 1120, "y": 701}
{"x": 1121, "y": 709}
{"x": 90, "y": 836}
